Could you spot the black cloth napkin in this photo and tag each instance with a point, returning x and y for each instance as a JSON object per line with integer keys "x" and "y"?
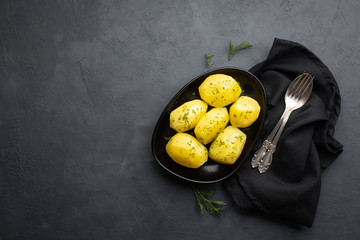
{"x": 290, "y": 189}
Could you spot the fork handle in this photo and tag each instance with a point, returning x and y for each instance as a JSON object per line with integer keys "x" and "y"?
{"x": 266, "y": 160}
{"x": 278, "y": 125}
{"x": 281, "y": 128}
{"x": 259, "y": 154}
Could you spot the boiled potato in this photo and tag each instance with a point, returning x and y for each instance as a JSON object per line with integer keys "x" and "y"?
{"x": 187, "y": 115}
{"x": 244, "y": 112}
{"x": 227, "y": 146}
{"x": 186, "y": 150}
{"x": 219, "y": 90}
{"x": 211, "y": 124}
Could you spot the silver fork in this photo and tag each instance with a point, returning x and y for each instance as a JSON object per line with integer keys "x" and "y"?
{"x": 296, "y": 96}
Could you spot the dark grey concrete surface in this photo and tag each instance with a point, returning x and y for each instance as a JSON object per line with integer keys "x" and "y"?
{"x": 82, "y": 84}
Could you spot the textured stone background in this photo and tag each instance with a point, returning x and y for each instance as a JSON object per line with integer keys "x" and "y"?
{"x": 82, "y": 84}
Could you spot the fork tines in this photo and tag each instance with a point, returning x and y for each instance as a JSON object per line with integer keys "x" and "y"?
{"x": 301, "y": 83}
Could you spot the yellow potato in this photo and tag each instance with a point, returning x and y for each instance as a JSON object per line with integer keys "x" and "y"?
{"x": 227, "y": 146}
{"x": 219, "y": 90}
{"x": 211, "y": 124}
{"x": 187, "y": 115}
{"x": 244, "y": 112}
{"x": 186, "y": 150}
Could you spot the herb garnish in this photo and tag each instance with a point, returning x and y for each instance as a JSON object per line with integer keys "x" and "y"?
{"x": 212, "y": 207}
{"x": 167, "y": 138}
{"x": 233, "y": 50}
{"x": 208, "y": 58}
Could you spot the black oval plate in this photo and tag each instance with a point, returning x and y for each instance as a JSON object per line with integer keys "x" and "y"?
{"x": 211, "y": 171}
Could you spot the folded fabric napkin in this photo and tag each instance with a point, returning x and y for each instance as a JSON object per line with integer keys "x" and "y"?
{"x": 290, "y": 189}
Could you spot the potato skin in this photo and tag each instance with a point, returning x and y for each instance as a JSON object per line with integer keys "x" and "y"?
{"x": 186, "y": 150}
{"x": 219, "y": 90}
{"x": 211, "y": 124}
{"x": 244, "y": 112}
{"x": 227, "y": 146}
{"x": 185, "y": 117}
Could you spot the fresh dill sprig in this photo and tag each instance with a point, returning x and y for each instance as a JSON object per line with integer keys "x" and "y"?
{"x": 212, "y": 207}
{"x": 233, "y": 50}
{"x": 242, "y": 93}
{"x": 208, "y": 58}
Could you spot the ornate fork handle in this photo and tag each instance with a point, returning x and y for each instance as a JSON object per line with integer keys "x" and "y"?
{"x": 259, "y": 154}
{"x": 266, "y": 160}
{"x": 267, "y": 144}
